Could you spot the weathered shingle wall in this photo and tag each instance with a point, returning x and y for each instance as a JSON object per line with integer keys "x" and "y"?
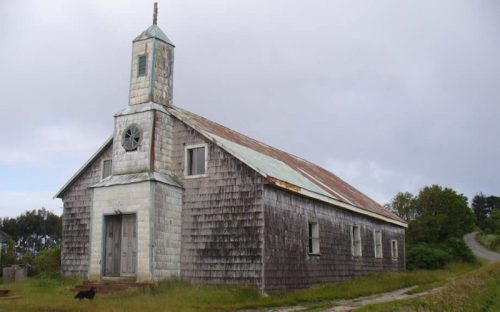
{"x": 287, "y": 263}
{"x": 222, "y": 221}
{"x": 76, "y": 217}
{"x": 163, "y": 142}
{"x": 167, "y": 231}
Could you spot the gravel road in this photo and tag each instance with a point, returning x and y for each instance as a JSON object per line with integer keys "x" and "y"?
{"x": 479, "y": 250}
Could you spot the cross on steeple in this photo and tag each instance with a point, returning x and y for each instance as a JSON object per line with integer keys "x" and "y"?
{"x": 155, "y": 13}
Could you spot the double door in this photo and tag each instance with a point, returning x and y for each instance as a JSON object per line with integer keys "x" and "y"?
{"x": 120, "y": 245}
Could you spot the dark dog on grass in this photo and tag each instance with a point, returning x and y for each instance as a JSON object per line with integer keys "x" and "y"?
{"x": 89, "y": 294}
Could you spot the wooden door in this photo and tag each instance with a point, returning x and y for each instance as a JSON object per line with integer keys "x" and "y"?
{"x": 129, "y": 245}
{"x": 113, "y": 245}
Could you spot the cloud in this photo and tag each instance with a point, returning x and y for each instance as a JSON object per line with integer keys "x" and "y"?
{"x": 389, "y": 95}
{"x": 373, "y": 179}
{"x": 51, "y": 143}
{"x": 13, "y": 204}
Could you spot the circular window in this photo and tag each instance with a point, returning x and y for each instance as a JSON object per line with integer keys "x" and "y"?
{"x": 131, "y": 137}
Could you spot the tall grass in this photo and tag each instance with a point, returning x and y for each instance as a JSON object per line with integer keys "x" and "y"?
{"x": 490, "y": 241}
{"x": 52, "y": 293}
{"x": 475, "y": 291}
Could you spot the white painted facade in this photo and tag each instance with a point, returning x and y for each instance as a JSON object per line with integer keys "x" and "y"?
{"x": 124, "y": 199}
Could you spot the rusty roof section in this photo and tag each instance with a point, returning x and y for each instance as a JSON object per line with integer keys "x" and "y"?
{"x": 329, "y": 183}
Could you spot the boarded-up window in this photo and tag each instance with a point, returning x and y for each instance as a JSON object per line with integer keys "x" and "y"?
{"x": 142, "y": 65}
{"x": 313, "y": 238}
{"x": 394, "y": 249}
{"x": 106, "y": 168}
{"x": 378, "y": 243}
{"x": 195, "y": 161}
{"x": 356, "y": 241}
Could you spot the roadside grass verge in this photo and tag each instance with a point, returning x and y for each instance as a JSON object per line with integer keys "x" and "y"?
{"x": 52, "y": 293}
{"x": 490, "y": 241}
{"x": 475, "y": 291}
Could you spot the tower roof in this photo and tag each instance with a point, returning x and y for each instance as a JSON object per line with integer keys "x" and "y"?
{"x": 154, "y": 32}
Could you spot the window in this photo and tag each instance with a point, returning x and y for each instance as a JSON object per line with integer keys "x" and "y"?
{"x": 356, "y": 241}
{"x": 141, "y": 66}
{"x": 106, "y": 168}
{"x": 377, "y": 235}
{"x": 195, "y": 160}
{"x": 313, "y": 238}
{"x": 394, "y": 249}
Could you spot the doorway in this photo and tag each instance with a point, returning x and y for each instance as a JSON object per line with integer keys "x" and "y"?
{"x": 120, "y": 248}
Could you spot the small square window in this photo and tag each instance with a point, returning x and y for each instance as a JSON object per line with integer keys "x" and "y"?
{"x": 142, "y": 65}
{"x": 356, "y": 241}
{"x": 313, "y": 238}
{"x": 378, "y": 243}
{"x": 394, "y": 249}
{"x": 106, "y": 168}
{"x": 195, "y": 161}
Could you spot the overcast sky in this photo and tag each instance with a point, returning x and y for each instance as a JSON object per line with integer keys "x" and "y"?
{"x": 389, "y": 95}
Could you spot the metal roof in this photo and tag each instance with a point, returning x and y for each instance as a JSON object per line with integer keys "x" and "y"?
{"x": 279, "y": 168}
{"x": 154, "y": 32}
{"x": 286, "y": 170}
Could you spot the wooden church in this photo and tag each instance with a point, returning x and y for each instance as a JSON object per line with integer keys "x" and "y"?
{"x": 174, "y": 194}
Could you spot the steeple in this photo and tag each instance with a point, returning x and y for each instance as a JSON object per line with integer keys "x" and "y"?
{"x": 151, "y": 78}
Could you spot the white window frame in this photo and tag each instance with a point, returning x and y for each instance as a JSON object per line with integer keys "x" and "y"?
{"x": 379, "y": 243}
{"x": 394, "y": 249}
{"x": 356, "y": 250}
{"x": 313, "y": 238}
{"x": 186, "y": 159}
{"x": 102, "y": 167}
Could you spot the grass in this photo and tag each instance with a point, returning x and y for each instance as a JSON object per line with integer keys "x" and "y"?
{"x": 490, "y": 241}
{"x": 52, "y": 293}
{"x": 475, "y": 291}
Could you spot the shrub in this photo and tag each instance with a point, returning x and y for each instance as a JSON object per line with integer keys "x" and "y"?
{"x": 434, "y": 256}
{"x": 48, "y": 260}
{"x": 459, "y": 250}
{"x": 426, "y": 256}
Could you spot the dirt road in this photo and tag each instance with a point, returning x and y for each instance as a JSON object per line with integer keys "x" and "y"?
{"x": 480, "y": 251}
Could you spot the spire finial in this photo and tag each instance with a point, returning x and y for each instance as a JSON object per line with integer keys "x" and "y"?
{"x": 155, "y": 13}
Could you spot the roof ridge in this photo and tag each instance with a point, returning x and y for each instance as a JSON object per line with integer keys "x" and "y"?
{"x": 250, "y": 138}
{"x": 348, "y": 193}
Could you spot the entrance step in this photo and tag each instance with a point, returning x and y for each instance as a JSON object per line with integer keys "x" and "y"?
{"x": 111, "y": 286}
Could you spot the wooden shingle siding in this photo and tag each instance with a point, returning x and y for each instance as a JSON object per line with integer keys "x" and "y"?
{"x": 287, "y": 263}
{"x": 222, "y": 218}
{"x": 76, "y": 218}
{"x": 167, "y": 231}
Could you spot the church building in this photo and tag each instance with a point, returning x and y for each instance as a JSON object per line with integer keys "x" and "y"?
{"x": 174, "y": 194}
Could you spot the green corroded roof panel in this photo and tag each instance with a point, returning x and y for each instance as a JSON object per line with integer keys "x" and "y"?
{"x": 268, "y": 165}
{"x": 154, "y": 32}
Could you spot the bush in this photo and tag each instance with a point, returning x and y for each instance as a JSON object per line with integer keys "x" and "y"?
{"x": 48, "y": 260}
{"x": 434, "y": 256}
{"x": 426, "y": 256}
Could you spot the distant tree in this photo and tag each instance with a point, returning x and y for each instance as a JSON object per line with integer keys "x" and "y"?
{"x": 491, "y": 224}
{"x": 33, "y": 231}
{"x": 443, "y": 214}
{"x": 481, "y": 210}
{"x": 403, "y": 205}
{"x": 483, "y": 206}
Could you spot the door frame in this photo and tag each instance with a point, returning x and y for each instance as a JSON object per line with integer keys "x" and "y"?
{"x": 103, "y": 242}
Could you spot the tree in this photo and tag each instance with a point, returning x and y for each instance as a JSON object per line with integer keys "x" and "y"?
{"x": 33, "y": 231}
{"x": 481, "y": 210}
{"x": 403, "y": 205}
{"x": 492, "y": 223}
{"x": 483, "y": 207}
{"x": 443, "y": 214}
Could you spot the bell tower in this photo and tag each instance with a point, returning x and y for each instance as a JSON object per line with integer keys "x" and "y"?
{"x": 151, "y": 75}
{"x": 143, "y": 130}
